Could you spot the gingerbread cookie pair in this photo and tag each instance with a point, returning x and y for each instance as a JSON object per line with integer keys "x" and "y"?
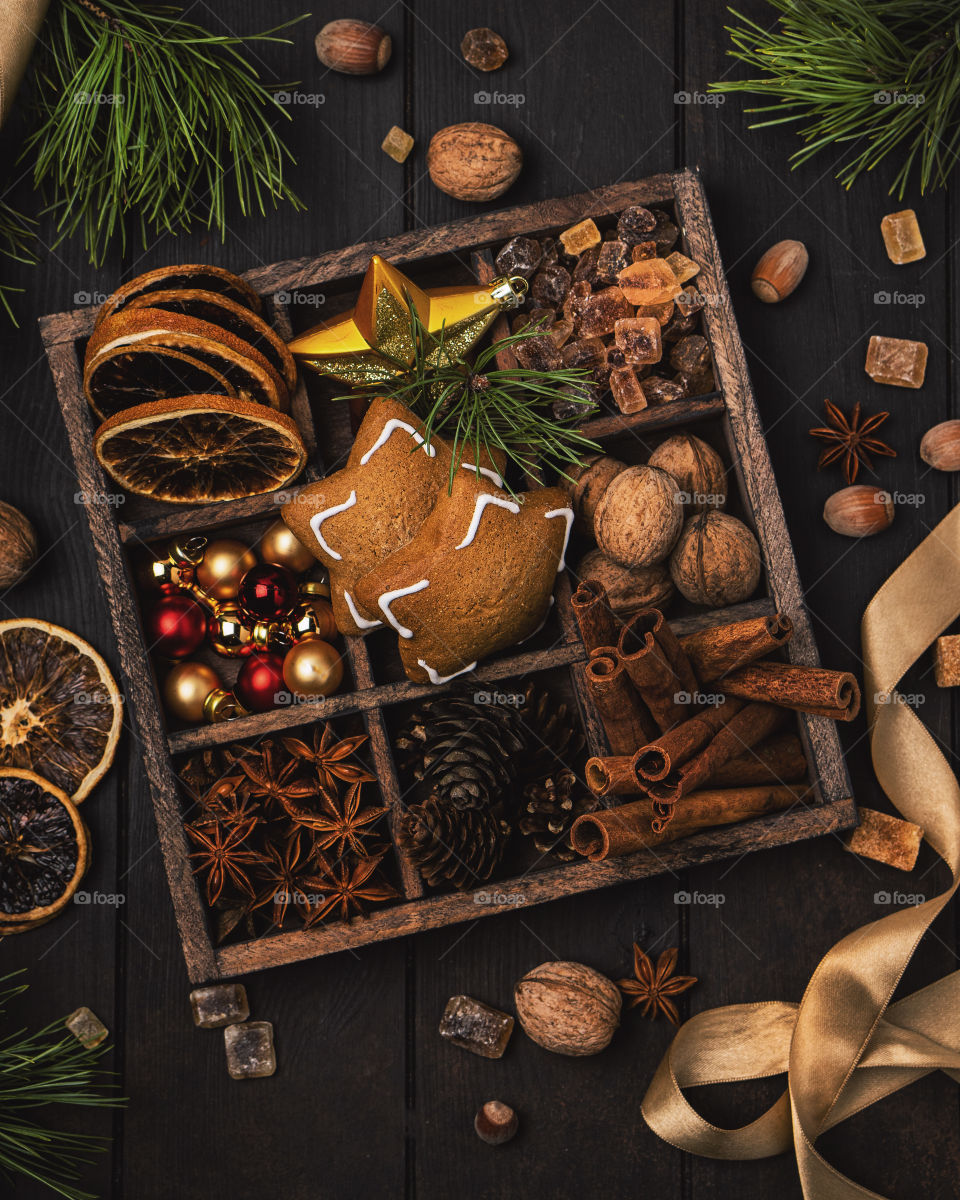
{"x": 458, "y": 573}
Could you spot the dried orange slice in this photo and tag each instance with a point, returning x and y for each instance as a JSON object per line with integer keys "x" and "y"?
{"x": 227, "y": 314}
{"x": 44, "y": 850}
{"x": 189, "y": 275}
{"x": 60, "y": 708}
{"x": 143, "y": 354}
{"x": 199, "y": 449}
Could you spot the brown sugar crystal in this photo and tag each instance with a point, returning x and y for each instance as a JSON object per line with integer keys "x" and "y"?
{"x": 639, "y": 339}
{"x": 886, "y": 839}
{"x": 902, "y": 237}
{"x": 580, "y": 237}
{"x": 896, "y": 361}
{"x": 397, "y": 144}
{"x": 946, "y": 661}
{"x": 627, "y": 390}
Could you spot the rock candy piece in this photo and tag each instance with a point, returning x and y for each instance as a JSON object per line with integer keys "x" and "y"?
{"x": 684, "y": 268}
{"x": 886, "y": 839}
{"x": 666, "y": 233}
{"x": 691, "y": 355}
{"x": 249, "y": 1048}
{"x": 601, "y": 311}
{"x": 896, "y": 361}
{"x": 627, "y": 390}
{"x": 643, "y": 250}
{"x": 520, "y": 256}
{"x": 635, "y": 224}
{"x": 560, "y": 332}
{"x": 650, "y": 281}
{"x": 484, "y": 49}
{"x": 946, "y": 661}
{"x": 218, "y": 1005}
{"x": 397, "y": 144}
{"x": 584, "y": 352}
{"x": 586, "y": 266}
{"x": 87, "y": 1028}
{"x": 659, "y": 390}
{"x": 663, "y": 312}
{"x": 580, "y": 237}
{"x": 538, "y": 354}
{"x": 476, "y": 1027}
{"x": 550, "y": 286}
{"x": 612, "y": 257}
{"x": 639, "y": 339}
{"x": 902, "y": 237}
{"x": 580, "y": 292}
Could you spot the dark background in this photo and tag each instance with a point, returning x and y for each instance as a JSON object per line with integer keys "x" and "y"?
{"x": 367, "y": 1101}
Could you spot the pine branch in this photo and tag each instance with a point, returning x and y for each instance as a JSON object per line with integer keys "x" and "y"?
{"x": 882, "y": 75}
{"x": 16, "y": 238}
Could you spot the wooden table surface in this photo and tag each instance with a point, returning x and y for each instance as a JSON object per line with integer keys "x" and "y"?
{"x": 367, "y": 1101}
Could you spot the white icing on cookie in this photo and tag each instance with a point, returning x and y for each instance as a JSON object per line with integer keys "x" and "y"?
{"x": 361, "y": 622}
{"x": 434, "y": 677}
{"x": 391, "y": 425}
{"x": 481, "y": 503}
{"x": 567, "y": 513}
{"x": 318, "y": 519}
{"x": 488, "y": 471}
{"x": 388, "y": 598}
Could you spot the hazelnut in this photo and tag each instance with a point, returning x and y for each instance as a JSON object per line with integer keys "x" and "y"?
{"x": 716, "y": 561}
{"x": 18, "y": 545}
{"x": 495, "y": 1123}
{"x": 473, "y": 161}
{"x": 779, "y": 271}
{"x": 859, "y": 511}
{"x": 940, "y": 447}
{"x": 628, "y": 589}
{"x": 568, "y": 1008}
{"x": 353, "y": 47}
{"x": 638, "y": 519}
{"x": 697, "y": 468}
{"x": 586, "y": 484}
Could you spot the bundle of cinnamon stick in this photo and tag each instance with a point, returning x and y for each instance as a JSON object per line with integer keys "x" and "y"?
{"x": 695, "y": 724}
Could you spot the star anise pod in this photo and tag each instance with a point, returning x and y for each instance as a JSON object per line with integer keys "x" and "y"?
{"x": 654, "y": 985}
{"x": 344, "y": 824}
{"x": 282, "y": 881}
{"x": 278, "y": 787}
{"x": 850, "y": 439}
{"x": 229, "y": 801}
{"x": 224, "y": 855}
{"x": 328, "y": 757}
{"x": 347, "y": 885}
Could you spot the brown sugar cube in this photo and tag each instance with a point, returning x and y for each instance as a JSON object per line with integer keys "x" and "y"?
{"x": 887, "y": 839}
{"x": 662, "y": 391}
{"x": 613, "y": 256}
{"x": 602, "y": 311}
{"x": 684, "y": 268}
{"x": 397, "y": 144}
{"x": 902, "y": 237}
{"x": 650, "y": 281}
{"x": 946, "y": 661}
{"x": 639, "y": 339}
{"x": 896, "y": 361}
{"x": 586, "y": 265}
{"x": 627, "y": 390}
{"x": 584, "y": 352}
{"x": 580, "y": 237}
{"x": 643, "y": 250}
{"x": 560, "y": 332}
{"x": 691, "y": 355}
{"x": 663, "y": 312}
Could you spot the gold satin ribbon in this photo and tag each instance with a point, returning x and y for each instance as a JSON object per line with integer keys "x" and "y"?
{"x": 845, "y": 1046}
{"x": 18, "y": 33}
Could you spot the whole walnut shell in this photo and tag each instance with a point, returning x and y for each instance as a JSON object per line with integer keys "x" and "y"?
{"x": 18, "y": 545}
{"x": 473, "y": 161}
{"x": 628, "y": 590}
{"x": 586, "y": 484}
{"x": 716, "y": 561}
{"x": 697, "y": 468}
{"x": 638, "y": 519}
{"x": 568, "y": 1008}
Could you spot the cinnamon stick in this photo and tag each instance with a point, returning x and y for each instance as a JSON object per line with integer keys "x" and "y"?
{"x": 778, "y": 760}
{"x": 625, "y": 720}
{"x": 715, "y": 651}
{"x": 598, "y": 624}
{"x": 660, "y": 670}
{"x": 611, "y": 832}
{"x": 671, "y": 750}
{"x": 613, "y": 775}
{"x": 735, "y": 736}
{"x": 815, "y": 690}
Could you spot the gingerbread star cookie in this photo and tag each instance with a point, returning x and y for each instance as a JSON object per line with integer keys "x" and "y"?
{"x": 477, "y": 577}
{"x": 360, "y": 515}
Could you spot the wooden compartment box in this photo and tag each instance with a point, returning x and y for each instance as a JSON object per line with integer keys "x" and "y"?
{"x": 374, "y": 693}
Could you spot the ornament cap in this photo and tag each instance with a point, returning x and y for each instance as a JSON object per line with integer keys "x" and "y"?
{"x": 187, "y": 551}
{"x": 221, "y": 705}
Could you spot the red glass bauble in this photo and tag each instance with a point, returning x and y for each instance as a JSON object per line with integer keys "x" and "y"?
{"x": 267, "y": 591}
{"x": 259, "y": 684}
{"x": 176, "y": 625}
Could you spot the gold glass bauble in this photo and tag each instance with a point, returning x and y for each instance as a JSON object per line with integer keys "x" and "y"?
{"x": 226, "y": 631}
{"x": 186, "y": 689}
{"x": 312, "y": 668}
{"x": 224, "y": 564}
{"x": 280, "y": 546}
{"x": 319, "y": 586}
{"x": 313, "y": 616}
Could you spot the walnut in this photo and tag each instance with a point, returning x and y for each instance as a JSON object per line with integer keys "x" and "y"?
{"x": 638, "y": 519}
{"x": 18, "y": 545}
{"x": 568, "y": 1008}
{"x": 697, "y": 468}
{"x": 716, "y": 561}
{"x": 586, "y": 484}
{"x": 628, "y": 590}
{"x": 473, "y": 161}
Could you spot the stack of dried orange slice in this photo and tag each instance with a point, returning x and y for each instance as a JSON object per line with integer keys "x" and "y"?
{"x": 60, "y": 716}
{"x": 192, "y": 387}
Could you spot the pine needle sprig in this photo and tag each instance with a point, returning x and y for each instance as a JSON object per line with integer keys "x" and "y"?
{"x": 149, "y": 120}
{"x": 40, "y": 1069}
{"x": 482, "y": 408}
{"x": 882, "y": 75}
{"x": 16, "y": 238}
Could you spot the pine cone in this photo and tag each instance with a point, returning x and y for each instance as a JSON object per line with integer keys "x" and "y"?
{"x": 550, "y": 808}
{"x": 458, "y": 846}
{"x": 552, "y": 733}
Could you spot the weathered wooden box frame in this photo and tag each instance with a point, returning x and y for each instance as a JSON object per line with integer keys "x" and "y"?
{"x": 64, "y": 335}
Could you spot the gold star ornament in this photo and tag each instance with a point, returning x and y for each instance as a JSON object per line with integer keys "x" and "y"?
{"x": 371, "y": 344}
